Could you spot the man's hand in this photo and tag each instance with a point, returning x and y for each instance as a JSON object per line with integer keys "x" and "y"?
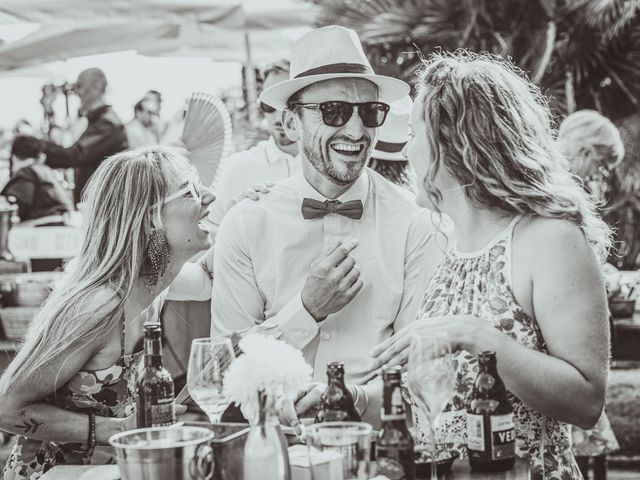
{"x": 309, "y": 402}
{"x": 334, "y": 280}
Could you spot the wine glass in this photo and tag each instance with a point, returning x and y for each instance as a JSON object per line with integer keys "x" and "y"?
{"x": 209, "y": 359}
{"x": 430, "y": 378}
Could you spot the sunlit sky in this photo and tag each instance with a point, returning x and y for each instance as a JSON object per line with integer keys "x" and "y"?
{"x": 129, "y": 75}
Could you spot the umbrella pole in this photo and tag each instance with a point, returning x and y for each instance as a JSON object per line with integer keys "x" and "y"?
{"x": 250, "y": 77}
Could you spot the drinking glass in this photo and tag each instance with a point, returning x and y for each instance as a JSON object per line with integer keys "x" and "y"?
{"x": 345, "y": 446}
{"x": 208, "y": 361}
{"x": 430, "y": 378}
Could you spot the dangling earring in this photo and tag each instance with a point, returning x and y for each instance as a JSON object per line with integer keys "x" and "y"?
{"x": 158, "y": 254}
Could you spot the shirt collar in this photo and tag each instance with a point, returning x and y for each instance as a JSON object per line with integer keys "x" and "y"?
{"x": 359, "y": 190}
{"x": 273, "y": 152}
{"x": 97, "y": 112}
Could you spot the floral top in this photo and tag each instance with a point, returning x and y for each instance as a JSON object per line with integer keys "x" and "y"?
{"x": 108, "y": 392}
{"x": 479, "y": 284}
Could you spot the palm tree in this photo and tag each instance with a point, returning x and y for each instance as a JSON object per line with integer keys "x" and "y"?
{"x": 582, "y": 53}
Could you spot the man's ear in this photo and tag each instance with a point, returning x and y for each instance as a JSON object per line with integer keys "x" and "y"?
{"x": 290, "y": 125}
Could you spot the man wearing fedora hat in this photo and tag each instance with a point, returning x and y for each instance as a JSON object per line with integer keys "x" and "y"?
{"x": 328, "y": 260}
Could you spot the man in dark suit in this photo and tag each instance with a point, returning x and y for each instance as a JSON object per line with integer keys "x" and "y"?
{"x": 104, "y": 136}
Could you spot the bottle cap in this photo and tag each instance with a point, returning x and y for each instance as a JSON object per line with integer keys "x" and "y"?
{"x": 487, "y": 356}
{"x": 392, "y": 371}
{"x": 151, "y": 327}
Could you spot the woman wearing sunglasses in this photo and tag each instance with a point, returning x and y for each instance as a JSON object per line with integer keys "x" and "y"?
{"x": 523, "y": 277}
{"x": 71, "y": 386}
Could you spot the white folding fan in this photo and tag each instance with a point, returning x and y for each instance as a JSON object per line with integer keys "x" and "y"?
{"x": 207, "y": 134}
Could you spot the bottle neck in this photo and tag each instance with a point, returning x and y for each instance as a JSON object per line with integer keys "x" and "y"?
{"x": 488, "y": 367}
{"x": 153, "y": 352}
{"x": 392, "y": 403}
{"x": 335, "y": 378}
{"x": 266, "y": 410}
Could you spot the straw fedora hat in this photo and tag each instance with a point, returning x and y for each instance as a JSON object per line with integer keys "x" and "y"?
{"x": 327, "y": 53}
{"x": 394, "y": 133}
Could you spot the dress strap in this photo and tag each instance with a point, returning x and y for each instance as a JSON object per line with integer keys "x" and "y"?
{"x": 149, "y": 314}
{"x": 122, "y": 337}
{"x": 508, "y": 249}
{"x": 504, "y": 234}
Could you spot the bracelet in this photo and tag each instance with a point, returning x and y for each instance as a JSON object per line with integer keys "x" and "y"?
{"x": 366, "y": 401}
{"x": 91, "y": 438}
{"x": 356, "y": 397}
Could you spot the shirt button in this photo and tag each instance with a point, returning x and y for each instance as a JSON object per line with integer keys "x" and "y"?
{"x": 326, "y": 336}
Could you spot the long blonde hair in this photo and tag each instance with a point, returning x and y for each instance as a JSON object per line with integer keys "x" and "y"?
{"x": 118, "y": 222}
{"x": 493, "y": 131}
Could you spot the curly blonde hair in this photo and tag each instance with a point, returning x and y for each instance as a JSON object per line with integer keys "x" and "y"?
{"x": 492, "y": 130}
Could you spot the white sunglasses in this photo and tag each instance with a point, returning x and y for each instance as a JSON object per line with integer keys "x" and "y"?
{"x": 192, "y": 188}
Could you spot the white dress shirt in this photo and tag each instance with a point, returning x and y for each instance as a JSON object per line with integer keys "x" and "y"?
{"x": 264, "y": 162}
{"x": 264, "y": 251}
{"x": 138, "y": 135}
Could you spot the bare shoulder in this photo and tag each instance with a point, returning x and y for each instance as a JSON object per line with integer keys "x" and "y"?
{"x": 99, "y": 304}
{"x": 541, "y": 236}
{"x": 556, "y": 251}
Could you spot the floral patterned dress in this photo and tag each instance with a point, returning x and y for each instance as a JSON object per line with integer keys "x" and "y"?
{"x": 108, "y": 392}
{"x": 479, "y": 284}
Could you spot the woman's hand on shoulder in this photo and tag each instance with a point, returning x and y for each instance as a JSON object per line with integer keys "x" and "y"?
{"x": 252, "y": 193}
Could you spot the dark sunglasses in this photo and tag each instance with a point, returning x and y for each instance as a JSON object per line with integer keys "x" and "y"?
{"x": 266, "y": 108}
{"x": 337, "y": 113}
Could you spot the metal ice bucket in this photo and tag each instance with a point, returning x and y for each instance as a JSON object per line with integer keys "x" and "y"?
{"x": 164, "y": 453}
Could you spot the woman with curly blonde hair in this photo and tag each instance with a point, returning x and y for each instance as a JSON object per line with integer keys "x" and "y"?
{"x": 72, "y": 384}
{"x": 522, "y": 278}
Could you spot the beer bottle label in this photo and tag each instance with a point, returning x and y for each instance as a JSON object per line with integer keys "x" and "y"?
{"x": 502, "y": 436}
{"x": 162, "y": 413}
{"x": 396, "y": 410}
{"x": 475, "y": 432}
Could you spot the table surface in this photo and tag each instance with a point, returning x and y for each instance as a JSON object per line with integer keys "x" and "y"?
{"x": 460, "y": 471}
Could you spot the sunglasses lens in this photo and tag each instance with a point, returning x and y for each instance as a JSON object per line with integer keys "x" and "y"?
{"x": 266, "y": 108}
{"x": 336, "y": 114}
{"x": 373, "y": 114}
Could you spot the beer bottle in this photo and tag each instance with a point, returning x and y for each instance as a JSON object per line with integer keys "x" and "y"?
{"x": 394, "y": 445}
{"x": 336, "y": 403}
{"x": 490, "y": 429}
{"x": 154, "y": 387}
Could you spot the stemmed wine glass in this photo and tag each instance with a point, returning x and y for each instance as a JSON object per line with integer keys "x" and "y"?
{"x": 430, "y": 378}
{"x": 209, "y": 359}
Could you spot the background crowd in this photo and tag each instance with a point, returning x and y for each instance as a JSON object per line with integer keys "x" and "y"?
{"x": 533, "y": 197}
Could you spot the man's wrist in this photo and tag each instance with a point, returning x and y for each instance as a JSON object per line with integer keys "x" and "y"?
{"x": 318, "y": 318}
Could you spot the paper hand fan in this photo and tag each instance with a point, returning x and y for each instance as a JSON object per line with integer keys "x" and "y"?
{"x": 207, "y": 133}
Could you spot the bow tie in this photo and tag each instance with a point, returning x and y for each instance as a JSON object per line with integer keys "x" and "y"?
{"x": 316, "y": 209}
